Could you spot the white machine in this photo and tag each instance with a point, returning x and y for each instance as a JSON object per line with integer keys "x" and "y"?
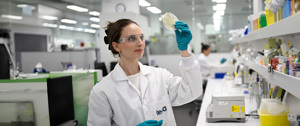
{"x": 226, "y": 108}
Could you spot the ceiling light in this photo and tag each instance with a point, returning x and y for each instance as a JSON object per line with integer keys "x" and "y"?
{"x": 95, "y": 19}
{"x": 86, "y": 30}
{"x": 144, "y": 3}
{"x": 25, "y": 5}
{"x": 79, "y": 29}
{"x": 77, "y": 8}
{"x": 92, "y": 31}
{"x": 95, "y": 26}
{"x": 84, "y": 23}
{"x": 12, "y": 17}
{"x": 49, "y": 25}
{"x": 89, "y": 30}
{"x": 69, "y": 21}
{"x": 62, "y": 27}
{"x": 219, "y": 7}
{"x": 220, "y": 12}
{"x": 219, "y": 1}
{"x": 94, "y": 13}
{"x": 154, "y": 10}
{"x": 69, "y": 28}
{"x": 47, "y": 17}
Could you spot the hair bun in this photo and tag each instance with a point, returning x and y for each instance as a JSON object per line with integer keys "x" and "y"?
{"x": 106, "y": 31}
{"x": 106, "y": 40}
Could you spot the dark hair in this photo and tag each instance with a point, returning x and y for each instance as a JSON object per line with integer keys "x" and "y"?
{"x": 114, "y": 31}
{"x": 204, "y": 47}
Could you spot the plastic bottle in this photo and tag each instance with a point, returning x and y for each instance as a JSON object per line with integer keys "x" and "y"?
{"x": 262, "y": 20}
{"x": 287, "y": 68}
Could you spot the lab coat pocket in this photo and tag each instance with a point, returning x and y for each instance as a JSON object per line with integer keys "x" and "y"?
{"x": 161, "y": 111}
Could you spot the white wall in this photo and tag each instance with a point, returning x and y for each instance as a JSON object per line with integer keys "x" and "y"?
{"x": 26, "y": 29}
{"x": 51, "y": 61}
{"x": 155, "y": 25}
{"x": 171, "y": 62}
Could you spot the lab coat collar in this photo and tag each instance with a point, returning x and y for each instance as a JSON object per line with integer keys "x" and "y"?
{"x": 120, "y": 75}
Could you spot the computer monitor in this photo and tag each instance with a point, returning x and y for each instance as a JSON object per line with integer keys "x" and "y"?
{"x": 60, "y": 100}
{"x": 4, "y": 63}
{"x": 101, "y": 66}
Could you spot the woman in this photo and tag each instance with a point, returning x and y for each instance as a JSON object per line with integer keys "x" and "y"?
{"x": 135, "y": 94}
{"x": 205, "y": 64}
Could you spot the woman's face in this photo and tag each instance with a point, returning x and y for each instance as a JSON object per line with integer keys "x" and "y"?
{"x": 132, "y": 43}
{"x": 206, "y": 52}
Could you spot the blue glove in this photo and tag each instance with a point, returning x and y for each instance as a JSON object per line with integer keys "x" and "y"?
{"x": 183, "y": 35}
{"x": 151, "y": 123}
{"x": 223, "y": 60}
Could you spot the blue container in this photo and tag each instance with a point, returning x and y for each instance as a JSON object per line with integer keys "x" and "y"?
{"x": 219, "y": 75}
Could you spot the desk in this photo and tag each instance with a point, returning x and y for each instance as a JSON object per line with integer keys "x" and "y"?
{"x": 219, "y": 85}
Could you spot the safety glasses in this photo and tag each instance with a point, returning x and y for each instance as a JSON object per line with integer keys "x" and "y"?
{"x": 132, "y": 38}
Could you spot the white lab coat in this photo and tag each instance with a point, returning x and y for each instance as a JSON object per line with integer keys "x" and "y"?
{"x": 116, "y": 102}
{"x": 205, "y": 65}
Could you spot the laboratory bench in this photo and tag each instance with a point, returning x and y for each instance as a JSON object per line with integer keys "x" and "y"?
{"x": 225, "y": 86}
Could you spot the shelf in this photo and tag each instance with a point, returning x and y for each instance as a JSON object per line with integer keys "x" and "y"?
{"x": 289, "y": 83}
{"x": 287, "y": 26}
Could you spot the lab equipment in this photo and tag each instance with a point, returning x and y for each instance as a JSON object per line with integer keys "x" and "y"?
{"x": 274, "y": 63}
{"x": 151, "y": 123}
{"x": 14, "y": 113}
{"x": 219, "y": 75}
{"x": 277, "y": 51}
{"x": 169, "y": 21}
{"x": 294, "y": 51}
{"x": 183, "y": 35}
{"x": 241, "y": 74}
{"x": 253, "y": 84}
{"x": 271, "y": 120}
{"x": 273, "y": 112}
{"x": 4, "y": 54}
{"x": 294, "y": 119}
{"x": 66, "y": 65}
{"x": 269, "y": 14}
{"x": 39, "y": 68}
{"x": 297, "y": 6}
{"x": 274, "y": 5}
{"x": 226, "y": 107}
{"x": 60, "y": 100}
{"x": 4, "y": 63}
{"x": 284, "y": 49}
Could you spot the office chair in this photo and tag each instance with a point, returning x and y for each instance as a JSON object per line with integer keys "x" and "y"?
{"x": 101, "y": 66}
{"x": 112, "y": 65}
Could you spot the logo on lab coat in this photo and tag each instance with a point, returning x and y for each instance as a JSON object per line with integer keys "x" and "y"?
{"x": 159, "y": 112}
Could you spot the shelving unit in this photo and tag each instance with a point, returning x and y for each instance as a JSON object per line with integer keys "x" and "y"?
{"x": 287, "y": 82}
{"x": 287, "y": 26}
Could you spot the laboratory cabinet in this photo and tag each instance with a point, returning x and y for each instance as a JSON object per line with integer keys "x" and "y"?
{"x": 46, "y": 99}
